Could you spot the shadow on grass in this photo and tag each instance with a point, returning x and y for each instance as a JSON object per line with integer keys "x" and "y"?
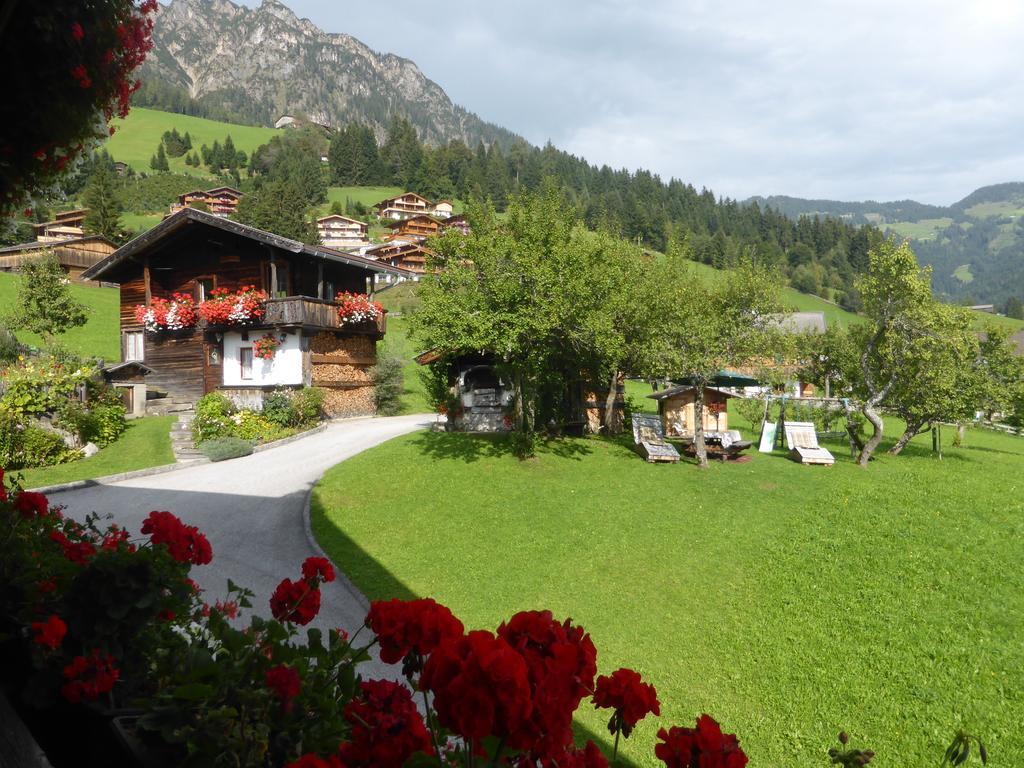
{"x": 469, "y": 447}
{"x": 378, "y": 583}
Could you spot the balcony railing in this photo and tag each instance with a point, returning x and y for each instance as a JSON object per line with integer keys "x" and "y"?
{"x": 305, "y": 312}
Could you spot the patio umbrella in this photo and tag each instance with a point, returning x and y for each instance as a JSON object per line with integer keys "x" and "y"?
{"x": 728, "y": 379}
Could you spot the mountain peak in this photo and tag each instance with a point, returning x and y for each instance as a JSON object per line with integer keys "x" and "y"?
{"x": 256, "y": 64}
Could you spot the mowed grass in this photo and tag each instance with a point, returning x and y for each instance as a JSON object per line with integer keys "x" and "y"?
{"x": 397, "y": 342}
{"x": 137, "y": 136}
{"x": 146, "y": 443}
{"x": 790, "y": 602}
{"x": 99, "y": 337}
{"x": 963, "y": 273}
{"x": 925, "y": 229}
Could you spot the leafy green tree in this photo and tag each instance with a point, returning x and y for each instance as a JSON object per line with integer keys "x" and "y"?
{"x": 1001, "y": 369}
{"x": 524, "y": 288}
{"x": 705, "y": 326}
{"x": 100, "y": 197}
{"x": 938, "y": 380}
{"x": 45, "y": 304}
{"x": 279, "y": 206}
{"x": 898, "y": 302}
{"x": 1015, "y": 308}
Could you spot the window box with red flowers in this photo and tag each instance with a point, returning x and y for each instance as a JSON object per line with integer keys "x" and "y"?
{"x": 357, "y": 309}
{"x": 246, "y": 306}
{"x": 175, "y": 314}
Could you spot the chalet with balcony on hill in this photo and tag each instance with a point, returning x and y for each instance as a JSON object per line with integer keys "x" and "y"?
{"x": 208, "y": 304}
{"x": 75, "y": 255}
{"x": 410, "y": 258}
{"x": 338, "y": 231}
{"x": 443, "y": 209}
{"x": 459, "y": 222}
{"x": 404, "y": 206}
{"x": 415, "y": 228}
{"x": 66, "y": 225}
{"x": 220, "y": 201}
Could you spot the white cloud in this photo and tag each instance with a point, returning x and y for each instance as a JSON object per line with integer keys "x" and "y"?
{"x": 816, "y": 98}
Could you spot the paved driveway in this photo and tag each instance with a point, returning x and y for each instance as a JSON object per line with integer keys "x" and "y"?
{"x": 251, "y": 510}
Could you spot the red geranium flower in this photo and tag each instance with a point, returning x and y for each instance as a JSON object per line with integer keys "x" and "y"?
{"x": 184, "y": 542}
{"x": 386, "y": 727}
{"x": 31, "y": 504}
{"x": 630, "y": 697}
{"x": 405, "y": 627}
{"x": 318, "y": 569}
{"x": 76, "y": 31}
{"x": 295, "y": 601}
{"x": 481, "y": 686}
{"x": 49, "y": 633}
{"x": 285, "y": 683}
{"x": 89, "y": 676}
{"x": 562, "y": 662}
{"x": 77, "y": 552}
{"x": 315, "y": 761}
{"x": 588, "y": 757}
{"x": 702, "y": 747}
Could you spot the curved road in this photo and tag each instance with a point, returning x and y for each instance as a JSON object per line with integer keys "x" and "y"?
{"x": 252, "y": 511}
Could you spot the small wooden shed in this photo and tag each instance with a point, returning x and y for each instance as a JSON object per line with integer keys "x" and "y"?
{"x": 677, "y": 408}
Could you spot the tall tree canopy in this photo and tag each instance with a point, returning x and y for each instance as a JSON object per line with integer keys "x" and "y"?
{"x": 100, "y": 197}
{"x": 45, "y": 304}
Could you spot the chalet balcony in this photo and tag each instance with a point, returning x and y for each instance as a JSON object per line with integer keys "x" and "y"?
{"x": 317, "y": 314}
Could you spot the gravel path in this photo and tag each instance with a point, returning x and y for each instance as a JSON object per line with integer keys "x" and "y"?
{"x": 252, "y": 511}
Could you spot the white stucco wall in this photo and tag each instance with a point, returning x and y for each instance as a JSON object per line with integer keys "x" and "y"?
{"x": 284, "y": 369}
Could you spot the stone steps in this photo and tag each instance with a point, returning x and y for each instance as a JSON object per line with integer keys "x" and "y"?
{"x": 185, "y": 451}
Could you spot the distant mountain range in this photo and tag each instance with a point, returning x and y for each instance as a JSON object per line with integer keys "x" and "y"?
{"x": 974, "y": 246}
{"x": 213, "y": 58}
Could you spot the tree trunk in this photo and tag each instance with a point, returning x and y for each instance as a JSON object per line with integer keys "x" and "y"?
{"x": 698, "y": 426}
{"x": 876, "y": 436}
{"x": 611, "y": 425}
{"x": 912, "y": 431}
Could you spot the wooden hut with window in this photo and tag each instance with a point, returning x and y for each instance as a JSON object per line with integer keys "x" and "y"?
{"x": 678, "y": 410}
{"x": 200, "y": 255}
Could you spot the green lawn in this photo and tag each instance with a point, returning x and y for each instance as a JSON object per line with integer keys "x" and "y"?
{"x": 397, "y": 342}
{"x": 790, "y": 602}
{"x": 368, "y": 196}
{"x": 963, "y": 273}
{"x": 99, "y": 337}
{"x": 146, "y": 443}
{"x": 140, "y": 222}
{"x": 925, "y": 229}
{"x": 137, "y": 136}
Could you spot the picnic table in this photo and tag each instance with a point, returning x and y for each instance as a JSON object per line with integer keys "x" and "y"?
{"x": 725, "y": 445}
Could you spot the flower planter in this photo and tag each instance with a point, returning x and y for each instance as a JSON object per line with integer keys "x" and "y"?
{"x": 142, "y": 749}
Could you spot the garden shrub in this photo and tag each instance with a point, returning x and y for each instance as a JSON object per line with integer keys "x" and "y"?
{"x": 213, "y": 412}
{"x": 109, "y": 422}
{"x": 223, "y": 448}
{"x": 389, "y": 384}
{"x": 279, "y": 409}
{"x": 309, "y": 406}
{"x": 23, "y": 447}
{"x": 9, "y": 347}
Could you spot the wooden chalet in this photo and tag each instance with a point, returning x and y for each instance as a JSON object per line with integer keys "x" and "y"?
{"x": 415, "y": 228}
{"x": 194, "y": 252}
{"x": 409, "y": 257}
{"x": 220, "y": 201}
{"x": 459, "y": 222}
{"x": 66, "y": 225}
{"x": 403, "y": 206}
{"x": 338, "y": 231}
{"x": 75, "y": 255}
{"x": 443, "y": 209}
{"x": 678, "y": 410}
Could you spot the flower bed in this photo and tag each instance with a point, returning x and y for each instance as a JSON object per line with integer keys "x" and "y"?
{"x": 226, "y": 308}
{"x": 357, "y": 308}
{"x": 174, "y": 314}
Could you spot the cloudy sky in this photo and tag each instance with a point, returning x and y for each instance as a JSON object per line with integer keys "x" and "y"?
{"x": 853, "y": 100}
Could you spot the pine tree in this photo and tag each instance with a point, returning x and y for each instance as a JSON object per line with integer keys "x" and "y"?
{"x": 229, "y": 157}
{"x": 279, "y": 206}
{"x": 187, "y": 141}
{"x": 100, "y": 197}
{"x": 159, "y": 160}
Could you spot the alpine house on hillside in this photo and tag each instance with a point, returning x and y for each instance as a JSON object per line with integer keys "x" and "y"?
{"x": 208, "y": 304}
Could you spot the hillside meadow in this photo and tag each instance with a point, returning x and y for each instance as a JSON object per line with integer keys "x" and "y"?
{"x": 789, "y": 602}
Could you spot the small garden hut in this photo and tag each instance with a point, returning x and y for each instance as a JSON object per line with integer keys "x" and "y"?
{"x": 677, "y": 408}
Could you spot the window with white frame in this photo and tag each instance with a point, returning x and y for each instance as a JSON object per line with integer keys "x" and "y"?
{"x": 245, "y": 358}
{"x": 134, "y": 346}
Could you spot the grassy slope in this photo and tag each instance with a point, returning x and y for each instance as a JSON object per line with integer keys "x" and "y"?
{"x": 146, "y": 443}
{"x": 397, "y": 343}
{"x": 137, "y": 137}
{"x": 788, "y": 601}
{"x": 99, "y": 337}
